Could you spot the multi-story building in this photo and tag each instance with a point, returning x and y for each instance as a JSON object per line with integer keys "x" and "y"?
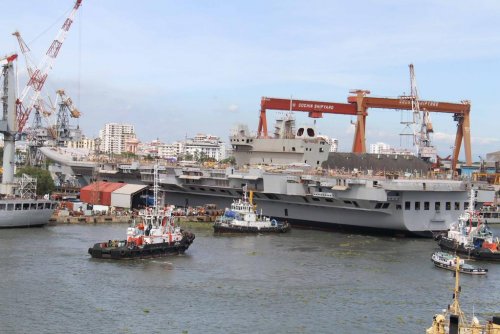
{"x": 90, "y": 144}
{"x": 205, "y": 146}
{"x": 382, "y": 148}
{"x": 114, "y": 137}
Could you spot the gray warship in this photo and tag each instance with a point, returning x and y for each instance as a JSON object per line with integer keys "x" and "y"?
{"x": 18, "y": 207}
{"x": 290, "y": 177}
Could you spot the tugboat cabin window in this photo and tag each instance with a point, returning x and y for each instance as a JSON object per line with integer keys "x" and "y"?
{"x": 426, "y": 205}
{"x": 407, "y": 205}
{"x": 378, "y": 205}
{"x": 417, "y": 205}
{"x": 457, "y": 205}
{"x": 2, "y": 207}
{"x": 40, "y": 206}
{"x": 18, "y": 206}
{"x": 33, "y": 206}
{"x": 10, "y": 206}
{"x": 386, "y": 205}
{"x": 47, "y": 205}
{"x": 26, "y": 206}
{"x": 437, "y": 206}
{"x": 448, "y": 206}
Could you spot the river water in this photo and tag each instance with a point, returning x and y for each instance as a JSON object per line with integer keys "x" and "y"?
{"x": 301, "y": 282}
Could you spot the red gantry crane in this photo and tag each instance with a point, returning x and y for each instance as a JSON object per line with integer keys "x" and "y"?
{"x": 38, "y": 75}
{"x": 358, "y": 106}
{"x": 460, "y": 111}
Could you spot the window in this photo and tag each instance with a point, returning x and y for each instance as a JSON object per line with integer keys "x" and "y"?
{"x": 18, "y": 206}
{"x": 305, "y": 199}
{"x": 378, "y": 205}
{"x": 286, "y": 212}
{"x": 315, "y": 199}
{"x": 2, "y": 207}
{"x": 47, "y": 205}
{"x": 386, "y": 205}
{"x": 466, "y": 205}
{"x": 457, "y": 205}
{"x": 448, "y": 206}
{"x": 329, "y": 200}
{"x": 437, "y": 206}
{"x": 10, "y": 207}
{"x": 398, "y": 206}
{"x": 417, "y": 205}
{"x": 426, "y": 205}
{"x": 407, "y": 205}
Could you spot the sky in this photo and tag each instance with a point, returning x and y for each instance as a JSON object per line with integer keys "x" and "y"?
{"x": 174, "y": 69}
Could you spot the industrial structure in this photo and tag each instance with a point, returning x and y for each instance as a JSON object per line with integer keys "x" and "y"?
{"x": 30, "y": 97}
{"x": 358, "y": 104}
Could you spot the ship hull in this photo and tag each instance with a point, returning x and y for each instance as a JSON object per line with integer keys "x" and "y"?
{"x": 103, "y": 251}
{"x": 334, "y": 216}
{"x": 224, "y": 228}
{"x": 18, "y": 213}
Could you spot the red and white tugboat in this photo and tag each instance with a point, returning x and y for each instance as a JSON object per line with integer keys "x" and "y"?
{"x": 155, "y": 235}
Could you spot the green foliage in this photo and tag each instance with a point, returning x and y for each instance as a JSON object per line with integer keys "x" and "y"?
{"x": 230, "y": 160}
{"x": 44, "y": 183}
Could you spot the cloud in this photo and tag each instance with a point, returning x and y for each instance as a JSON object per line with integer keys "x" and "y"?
{"x": 233, "y": 108}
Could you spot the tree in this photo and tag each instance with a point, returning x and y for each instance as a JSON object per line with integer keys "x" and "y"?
{"x": 44, "y": 182}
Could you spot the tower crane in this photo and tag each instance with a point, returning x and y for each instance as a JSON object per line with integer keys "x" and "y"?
{"x": 62, "y": 128}
{"x": 31, "y": 92}
{"x": 421, "y": 118}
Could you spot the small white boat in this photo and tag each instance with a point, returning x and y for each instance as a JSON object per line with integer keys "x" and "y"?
{"x": 449, "y": 262}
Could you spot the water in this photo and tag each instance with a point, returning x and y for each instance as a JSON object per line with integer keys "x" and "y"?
{"x": 301, "y": 282}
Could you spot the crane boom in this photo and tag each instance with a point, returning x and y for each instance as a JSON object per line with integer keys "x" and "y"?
{"x": 37, "y": 79}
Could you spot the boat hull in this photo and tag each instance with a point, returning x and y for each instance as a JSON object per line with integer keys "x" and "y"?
{"x": 451, "y": 245}
{"x": 106, "y": 251}
{"x": 224, "y": 228}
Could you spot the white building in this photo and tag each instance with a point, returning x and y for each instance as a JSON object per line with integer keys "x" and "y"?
{"x": 382, "y": 148}
{"x": 205, "y": 146}
{"x": 114, "y": 136}
{"x": 334, "y": 143}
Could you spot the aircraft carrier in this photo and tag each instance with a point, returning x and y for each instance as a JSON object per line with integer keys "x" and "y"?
{"x": 294, "y": 178}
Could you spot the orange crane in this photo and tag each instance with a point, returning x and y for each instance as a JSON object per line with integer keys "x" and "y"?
{"x": 460, "y": 111}
{"x": 38, "y": 75}
{"x": 316, "y": 109}
{"x": 358, "y": 106}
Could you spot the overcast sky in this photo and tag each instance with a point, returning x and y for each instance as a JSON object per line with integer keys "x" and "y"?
{"x": 177, "y": 68}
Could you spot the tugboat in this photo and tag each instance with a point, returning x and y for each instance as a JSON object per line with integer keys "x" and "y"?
{"x": 156, "y": 235}
{"x": 454, "y": 321}
{"x": 449, "y": 262}
{"x": 471, "y": 236}
{"x": 243, "y": 218}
